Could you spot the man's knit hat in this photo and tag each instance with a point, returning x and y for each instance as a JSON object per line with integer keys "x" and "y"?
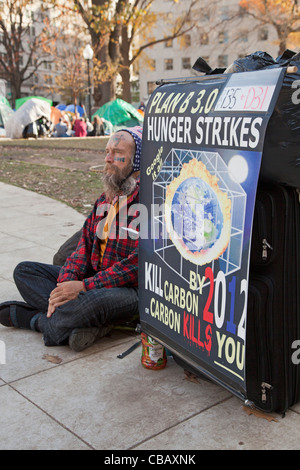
{"x": 137, "y": 133}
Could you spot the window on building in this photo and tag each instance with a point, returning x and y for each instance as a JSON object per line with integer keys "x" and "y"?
{"x": 243, "y": 36}
{"x": 204, "y": 14}
{"x": 223, "y": 60}
{"x": 242, "y": 11}
{"x": 47, "y": 65}
{"x": 224, "y": 13}
{"x": 48, "y": 79}
{"x": 204, "y": 39}
{"x": 187, "y": 40}
{"x": 263, "y": 34}
{"x": 168, "y": 64}
{"x": 223, "y": 37}
{"x": 152, "y": 64}
{"x": 169, "y": 43}
{"x": 186, "y": 62}
{"x": 151, "y": 87}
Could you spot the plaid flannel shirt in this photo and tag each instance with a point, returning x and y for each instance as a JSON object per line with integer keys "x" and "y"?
{"x": 119, "y": 266}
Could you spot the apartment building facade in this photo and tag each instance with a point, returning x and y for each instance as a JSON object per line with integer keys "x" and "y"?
{"x": 222, "y": 33}
{"x": 42, "y": 33}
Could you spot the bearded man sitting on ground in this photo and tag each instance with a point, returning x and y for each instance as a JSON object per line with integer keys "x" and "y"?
{"x": 98, "y": 285}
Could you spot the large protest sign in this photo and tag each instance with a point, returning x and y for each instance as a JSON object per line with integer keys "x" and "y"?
{"x": 202, "y": 149}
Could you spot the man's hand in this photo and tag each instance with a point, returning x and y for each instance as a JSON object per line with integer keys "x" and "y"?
{"x": 64, "y": 292}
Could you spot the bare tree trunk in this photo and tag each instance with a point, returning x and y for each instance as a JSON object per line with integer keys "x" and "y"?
{"x": 104, "y": 91}
{"x": 16, "y": 84}
{"x": 107, "y": 55}
{"x": 282, "y": 45}
{"x": 125, "y": 65}
{"x": 125, "y": 74}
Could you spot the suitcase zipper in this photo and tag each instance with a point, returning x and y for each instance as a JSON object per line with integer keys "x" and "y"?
{"x": 264, "y": 387}
{"x": 264, "y": 234}
{"x": 263, "y": 331}
{"x": 265, "y": 246}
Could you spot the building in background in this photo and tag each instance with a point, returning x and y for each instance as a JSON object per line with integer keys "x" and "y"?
{"x": 33, "y": 36}
{"x": 221, "y": 35}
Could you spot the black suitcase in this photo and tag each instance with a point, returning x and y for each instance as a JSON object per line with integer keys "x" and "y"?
{"x": 273, "y": 313}
{"x": 273, "y": 316}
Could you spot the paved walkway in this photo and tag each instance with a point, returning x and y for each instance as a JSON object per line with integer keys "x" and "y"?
{"x": 53, "y": 398}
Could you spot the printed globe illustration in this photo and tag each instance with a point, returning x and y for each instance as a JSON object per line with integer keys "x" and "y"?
{"x": 196, "y": 214}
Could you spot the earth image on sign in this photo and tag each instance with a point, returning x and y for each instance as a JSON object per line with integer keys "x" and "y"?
{"x": 197, "y": 214}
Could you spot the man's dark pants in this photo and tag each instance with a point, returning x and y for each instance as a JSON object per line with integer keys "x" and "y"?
{"x": 93, "y": 308}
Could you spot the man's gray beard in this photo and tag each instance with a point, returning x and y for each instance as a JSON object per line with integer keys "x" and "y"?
{"x": 114, "y": 184}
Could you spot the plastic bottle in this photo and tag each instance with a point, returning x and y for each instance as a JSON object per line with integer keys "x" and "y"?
{"x": 153, "y": 353}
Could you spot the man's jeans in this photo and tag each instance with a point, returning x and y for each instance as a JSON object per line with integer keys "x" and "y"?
{"x": 96, "y": 307}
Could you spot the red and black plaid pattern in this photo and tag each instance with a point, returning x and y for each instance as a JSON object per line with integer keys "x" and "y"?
{"x": 119, "y": 266}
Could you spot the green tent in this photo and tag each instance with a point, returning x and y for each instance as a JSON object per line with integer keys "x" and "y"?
{"x": 120, "y": 113}
{"x": 21, "y": 101}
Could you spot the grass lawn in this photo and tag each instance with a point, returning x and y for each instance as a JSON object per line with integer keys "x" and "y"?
{"x": 88, "y": 143}
{"x": 66, "y": 169}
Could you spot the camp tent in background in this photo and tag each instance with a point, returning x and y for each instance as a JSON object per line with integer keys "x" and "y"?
{"x": 56, "y": 114}
{"x": 5, "y": 101}
{"x": 70, "y": 108}
{"x": 119, "y": 113}
{"x": 5, "y": 113}
{"x": 31, "y": 111}
{"x": 21, "y": 101}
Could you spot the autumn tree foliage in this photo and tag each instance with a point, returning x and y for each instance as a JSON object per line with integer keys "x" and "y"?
{"x": 283, "y": 15}
{"x": 29, "y": 36}
{"x": 113, "y": 26}
{"x": 24, "y": 47}
{"x": 71, "y": 82}
{"x": 139, "y": 22}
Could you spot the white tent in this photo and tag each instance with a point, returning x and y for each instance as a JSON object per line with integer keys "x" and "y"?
{"x": 31, "y": 111}
{"x": 5, "y": 113}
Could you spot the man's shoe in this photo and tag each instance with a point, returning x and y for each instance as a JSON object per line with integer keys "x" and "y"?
{"x": 82, "y": 338}
{"x": 19, "y": 315}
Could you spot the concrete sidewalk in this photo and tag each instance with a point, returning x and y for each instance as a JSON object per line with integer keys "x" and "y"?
{"x": 53, "y": 398}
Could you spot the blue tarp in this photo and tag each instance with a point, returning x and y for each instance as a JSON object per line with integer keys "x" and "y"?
{"x": 70, "y": 108}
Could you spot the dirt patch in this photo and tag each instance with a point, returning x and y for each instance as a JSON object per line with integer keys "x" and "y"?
{"x": 70, "y": 175}
{"x": 72, "y": 159}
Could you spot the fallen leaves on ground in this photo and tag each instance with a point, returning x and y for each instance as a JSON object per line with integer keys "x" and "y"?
{"x": 53, "y": 359}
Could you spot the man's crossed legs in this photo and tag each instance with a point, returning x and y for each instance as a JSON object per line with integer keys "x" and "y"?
{"x": 77, "y": 322}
